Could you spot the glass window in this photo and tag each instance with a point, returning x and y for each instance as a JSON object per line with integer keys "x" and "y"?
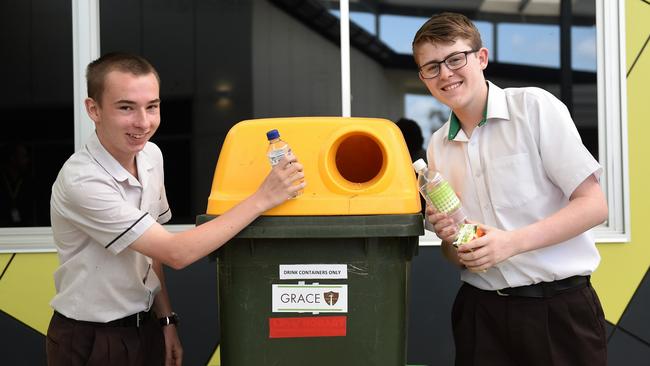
{"x": 529, "y": 44}
{"x": 428, "y": 112}
{"x": 36, "y": 106}
{"x": 584, "y": 50}
{"x": 397, "y": 31}
{"x": 364, "y": 20}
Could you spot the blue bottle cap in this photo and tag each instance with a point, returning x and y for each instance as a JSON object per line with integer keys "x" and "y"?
{"x": 272, "y": 135}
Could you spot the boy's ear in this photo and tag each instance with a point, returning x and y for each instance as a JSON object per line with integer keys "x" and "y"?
{"x": 483, "y": 57}
{"x": 92, "y": 108}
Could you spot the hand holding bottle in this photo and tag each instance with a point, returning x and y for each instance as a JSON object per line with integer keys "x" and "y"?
{"x": 277, "y": 151}
{"x": 284, "y": 182}
{"x": 438, "y": 193}
{"x": 446, "y": 212}
{"x": 444, "y": 226}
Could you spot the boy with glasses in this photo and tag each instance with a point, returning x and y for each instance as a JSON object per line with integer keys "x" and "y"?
{"x": 516, "y": 159}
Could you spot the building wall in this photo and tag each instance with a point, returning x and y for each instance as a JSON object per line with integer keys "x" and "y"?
{"x": 622, "y": 279}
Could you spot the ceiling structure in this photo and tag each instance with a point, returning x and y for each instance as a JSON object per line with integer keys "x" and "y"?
{"x": 316, "y": 15}
{"x": 537, "y": 11}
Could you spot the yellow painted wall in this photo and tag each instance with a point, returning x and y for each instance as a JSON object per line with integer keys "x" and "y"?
{"x": 624, "y": 265}
{"x": 4, "y": 260}
{"x": 27, "y": 288}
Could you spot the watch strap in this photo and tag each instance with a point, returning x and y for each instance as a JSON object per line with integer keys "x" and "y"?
{"x": 167, "y": 320}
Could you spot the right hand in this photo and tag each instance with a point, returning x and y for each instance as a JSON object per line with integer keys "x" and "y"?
{"x": 443, "y": 225}
{"x": 283, "y": 182}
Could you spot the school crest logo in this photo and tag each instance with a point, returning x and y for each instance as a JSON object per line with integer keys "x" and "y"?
{"x": 331, "y": 297}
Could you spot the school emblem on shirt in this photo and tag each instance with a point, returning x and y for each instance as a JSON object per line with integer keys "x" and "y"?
{"x": 331, "y": 297}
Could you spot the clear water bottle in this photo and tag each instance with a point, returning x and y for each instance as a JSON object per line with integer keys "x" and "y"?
{"x": 277, "y": 150}
{"x": 438, "y": 193}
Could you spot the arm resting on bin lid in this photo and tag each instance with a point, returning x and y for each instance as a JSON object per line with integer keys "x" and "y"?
{"x": 178, "y": 250}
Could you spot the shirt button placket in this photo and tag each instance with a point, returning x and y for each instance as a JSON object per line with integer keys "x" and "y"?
{"x": 478, "y": 176}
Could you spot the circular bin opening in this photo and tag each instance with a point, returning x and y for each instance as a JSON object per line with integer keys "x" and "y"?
{"x": 359, "y": 158}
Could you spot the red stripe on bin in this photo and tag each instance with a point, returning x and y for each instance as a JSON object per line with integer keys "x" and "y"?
{"x": 313, "y": 326}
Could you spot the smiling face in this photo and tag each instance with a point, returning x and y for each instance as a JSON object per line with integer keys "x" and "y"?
{"x": 127, "y": 115}
{"x": 463, "y": 89}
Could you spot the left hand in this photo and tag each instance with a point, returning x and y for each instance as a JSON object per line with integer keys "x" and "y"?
{"x": 492, "y": 248}
{"x": 173, "y": 347}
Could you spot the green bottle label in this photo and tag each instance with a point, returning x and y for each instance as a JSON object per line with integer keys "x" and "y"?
{"x": 443, "y": 198}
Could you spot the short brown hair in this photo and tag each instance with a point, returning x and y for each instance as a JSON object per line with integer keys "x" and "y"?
{"x": 124, "y": 62}
{"x": 447, "y": 28}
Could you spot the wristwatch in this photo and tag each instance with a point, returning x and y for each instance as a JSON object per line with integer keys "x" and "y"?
{"x": 171, "y": 319}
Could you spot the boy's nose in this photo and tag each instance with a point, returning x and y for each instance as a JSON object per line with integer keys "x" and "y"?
{"x": 141, "y": 119}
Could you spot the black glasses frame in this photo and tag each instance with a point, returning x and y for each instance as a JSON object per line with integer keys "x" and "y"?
{"x": 450, "y": 67}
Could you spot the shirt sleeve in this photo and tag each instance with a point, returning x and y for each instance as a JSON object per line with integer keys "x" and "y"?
{"x": 97, "y": 207}
{"x": 566, "y": 160}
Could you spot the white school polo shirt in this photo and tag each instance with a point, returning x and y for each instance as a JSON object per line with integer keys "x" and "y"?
{"x": 519, "y": 166}
{"x": 97, "y": 210}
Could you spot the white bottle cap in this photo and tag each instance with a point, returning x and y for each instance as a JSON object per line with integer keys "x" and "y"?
{"x": 419, "y": 165}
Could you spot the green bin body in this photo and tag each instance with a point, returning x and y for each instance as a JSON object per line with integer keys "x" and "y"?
{"x": 377, "y": 252}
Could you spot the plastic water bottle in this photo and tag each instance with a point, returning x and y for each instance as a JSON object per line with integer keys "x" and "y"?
{"x": 438, "y": 193}
{"x": 277, "y": 150}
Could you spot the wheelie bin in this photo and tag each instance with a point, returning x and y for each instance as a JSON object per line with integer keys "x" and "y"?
{"x": 321, "y": 279}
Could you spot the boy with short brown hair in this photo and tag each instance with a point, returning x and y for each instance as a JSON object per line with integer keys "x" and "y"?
{"x": 516, "y": 159}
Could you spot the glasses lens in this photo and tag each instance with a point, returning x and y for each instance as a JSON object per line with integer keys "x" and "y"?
{"x": 456, "y": 61}
{"x": 430, "y": 71}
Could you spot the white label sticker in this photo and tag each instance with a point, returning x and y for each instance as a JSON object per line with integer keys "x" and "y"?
{"x": 314, "y": 298}
{"x": 313, "y": 271}
{"x": 276, "y": 155}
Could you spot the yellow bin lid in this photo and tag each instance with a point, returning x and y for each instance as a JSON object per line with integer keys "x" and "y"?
{"x": 353, "y": 166}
